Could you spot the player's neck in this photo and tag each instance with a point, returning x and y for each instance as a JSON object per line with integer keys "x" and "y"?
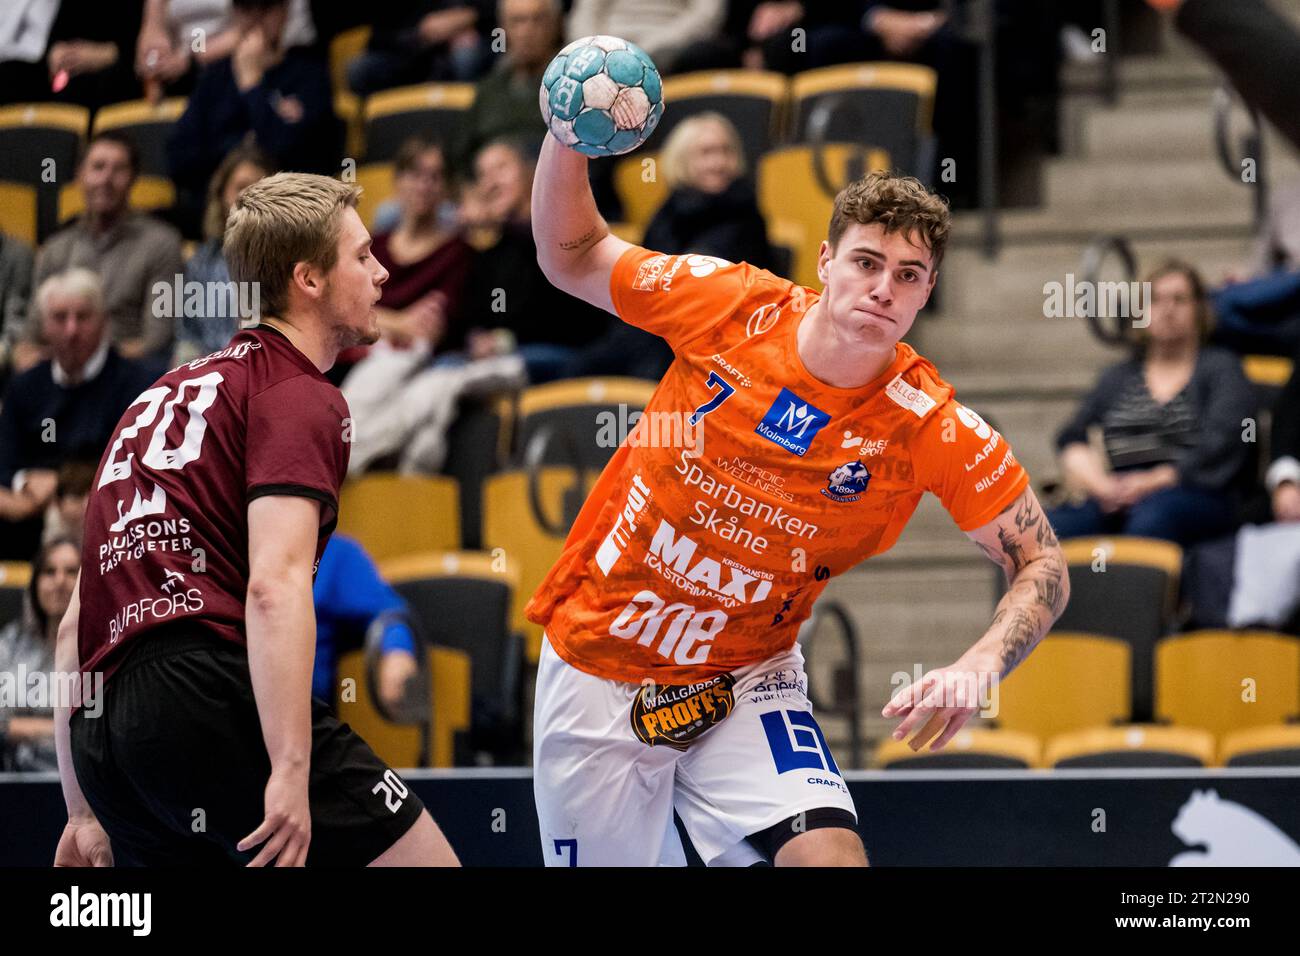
{"x": 307, "y": 338}
{"x": 833, "y": 362}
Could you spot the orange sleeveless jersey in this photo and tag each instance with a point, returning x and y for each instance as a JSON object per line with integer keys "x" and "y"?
{"x": 747, "y": 483}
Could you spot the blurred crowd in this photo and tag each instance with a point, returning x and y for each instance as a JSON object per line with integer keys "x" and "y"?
{"x": 1156, "y": 448}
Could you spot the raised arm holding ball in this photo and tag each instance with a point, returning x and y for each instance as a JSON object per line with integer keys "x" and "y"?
{"x": 792, "y": 437}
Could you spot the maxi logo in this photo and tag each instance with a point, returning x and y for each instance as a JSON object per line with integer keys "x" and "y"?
{"x": 792, "y": 423}
{"x": 796, "y": 742}
{"x": 673, "y": 557}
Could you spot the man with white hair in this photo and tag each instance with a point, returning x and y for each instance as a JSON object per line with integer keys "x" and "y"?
{"x": 62, "y": 409}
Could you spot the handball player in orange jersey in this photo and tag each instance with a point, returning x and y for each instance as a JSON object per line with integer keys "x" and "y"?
{"x": 803, "y": 434}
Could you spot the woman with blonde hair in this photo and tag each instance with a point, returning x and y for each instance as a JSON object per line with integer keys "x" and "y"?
{"x": 207, "y": 333}
{"x": 1171, "y": 419}
{"x": 711, "y": 209}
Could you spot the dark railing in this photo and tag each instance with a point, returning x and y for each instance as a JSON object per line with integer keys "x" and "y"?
{"x": 1233, "y": 153}
{"x": 846, "y": 696}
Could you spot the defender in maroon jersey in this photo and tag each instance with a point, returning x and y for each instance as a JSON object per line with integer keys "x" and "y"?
{"x": 209, "y": 513}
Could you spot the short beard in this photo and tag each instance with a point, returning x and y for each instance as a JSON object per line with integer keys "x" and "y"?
{"x": 345, "y": 336}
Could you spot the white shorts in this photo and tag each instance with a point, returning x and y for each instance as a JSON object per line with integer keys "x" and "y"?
{"x": 604, "y": 798}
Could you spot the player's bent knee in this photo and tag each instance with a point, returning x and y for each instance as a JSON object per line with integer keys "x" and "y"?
{"x": 824, "y": 836}
{"x": 422, "y": 845}
{"x": 837, "y": 846}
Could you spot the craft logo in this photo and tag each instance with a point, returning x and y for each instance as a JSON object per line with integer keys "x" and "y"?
{"x": 676, "y": 715}
{"x": 847, "y": 482}
{"x": 792, "y": 423}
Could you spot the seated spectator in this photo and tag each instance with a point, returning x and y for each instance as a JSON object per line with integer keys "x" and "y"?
{"x": 350, "y": 596}
{"x": 711, "y": 208}
{"x": 421, "y": 305}
{"x": 130, "y": 251}
{"x": 427, "y": 260}
{"x": 210, "y": 330}
{"x": 505, "y": 101}
{"x": 1258, "y": 310}
{"x": 15, "y": 289}
{"x": 64, "y": 408}
{"x": 27, "y": 733}
{"x": 420, "y": 41}
{"x": 166, "y": 58}
{"x": 68, "y": 51}
{"x": 1172, "y": 419}
{"x": 67, "y": 517}
{"x": 663, "y": 28}
{"x": 1283, "y": 476}
{"x": 511, "y": 307}
{"x": 276, "y": 95}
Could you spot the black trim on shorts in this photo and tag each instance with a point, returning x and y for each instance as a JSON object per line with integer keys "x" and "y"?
{"x": 180, "y": 732}
{"x": 770, "y": 840}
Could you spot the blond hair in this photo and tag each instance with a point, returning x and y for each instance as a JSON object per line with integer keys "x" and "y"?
{"x": 80, "y": 283}
{"x": 901, "y": 204}
{"x": 280, "y": 221}
{"x": 674, "y": 160}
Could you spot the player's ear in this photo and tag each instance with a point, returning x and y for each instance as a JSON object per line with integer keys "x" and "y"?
{"x": 307, "y": 278}
{"x": 824, "y": 256}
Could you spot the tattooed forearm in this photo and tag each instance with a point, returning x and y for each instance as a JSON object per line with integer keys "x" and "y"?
{"x": 1021, "y": 635}
{"x": 574, "y": 244}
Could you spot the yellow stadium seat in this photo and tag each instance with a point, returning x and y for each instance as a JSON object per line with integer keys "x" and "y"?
{"x": 641, "y": 188}
{"x": 1134, "y": 745}
{"x": 465, "y": 600}
{"x": 797, "y": 203}
{"x": 347, "y": 106}
{"x": 14, "y": 578}
{"x": 1127, "y": 588}
{"x": 510, "y": 525}
{"x": 147, "y": 125}
{"x": 1069, "y": 682}
{"x": 344, "y": 48}
{"x": 971, "y": 748}
{"x": 888, "y": 106}
{"x": 148, "y": 194}
{"x": 18, "y": 211}
{"x": 39, "y": 145}
{"x": 755, "y": 102}
{"x": 392, "y": 515}
{"x": 400, "y": 745}
{"x": 1269, "y": 370}
{"x": 430, "y": 109}
{"x": 1273, "y": 746}
{"x": 1223, "y": 681}
{"x": 376, "y": 182}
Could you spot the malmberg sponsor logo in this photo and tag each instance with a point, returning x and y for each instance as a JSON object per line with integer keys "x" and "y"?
{"x": 21, "y": 688}
{"x": 1081, "y": 299}
{"x": 131, "y": 910}
{"x": 235, "y": 300}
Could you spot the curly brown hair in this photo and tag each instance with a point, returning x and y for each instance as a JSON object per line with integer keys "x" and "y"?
{"x": 899, "y": 204}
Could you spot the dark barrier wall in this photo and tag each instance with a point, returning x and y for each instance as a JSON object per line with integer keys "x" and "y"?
{"x": 919, "y": 818}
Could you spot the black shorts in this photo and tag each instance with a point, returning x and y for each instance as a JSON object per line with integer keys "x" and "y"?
{"x": 176, "y": 769}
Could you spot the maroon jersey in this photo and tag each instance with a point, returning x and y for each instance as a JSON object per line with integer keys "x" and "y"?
{"x": 166, "y": 537}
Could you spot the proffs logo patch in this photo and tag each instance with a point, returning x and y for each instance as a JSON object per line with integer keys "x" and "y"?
{"x": 675, "y": 715}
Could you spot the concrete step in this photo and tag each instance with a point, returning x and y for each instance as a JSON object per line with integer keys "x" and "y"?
{"x": 1117, "y": 184}
{"x": 1152, "y": 133}
{"x": 976, "y": 289}
{"x": 1080, "y": 223}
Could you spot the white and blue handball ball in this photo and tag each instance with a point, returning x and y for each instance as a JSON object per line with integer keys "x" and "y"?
{"x": 602, "y": 96}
